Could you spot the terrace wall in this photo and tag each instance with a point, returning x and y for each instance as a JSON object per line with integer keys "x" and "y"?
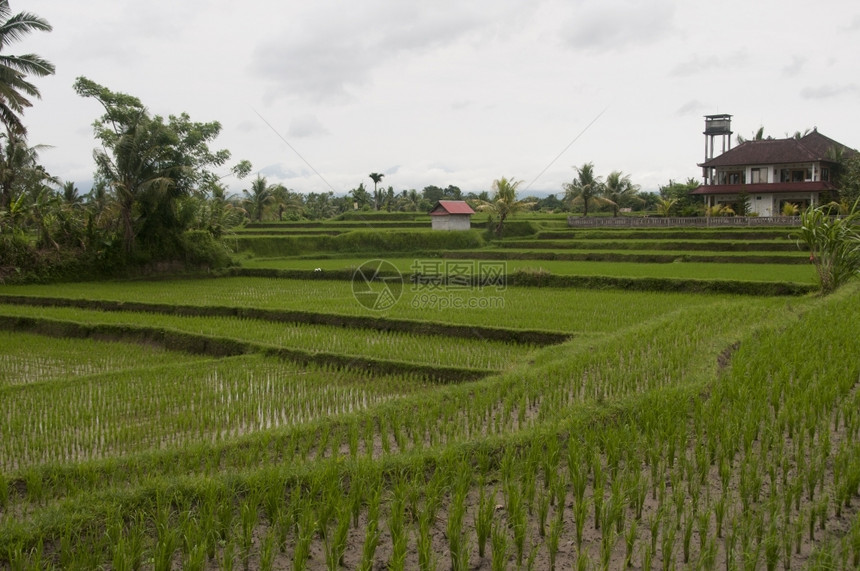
{"x": 693, "y": 221}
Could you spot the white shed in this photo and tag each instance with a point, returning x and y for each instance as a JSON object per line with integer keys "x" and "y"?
{"x": 452, "y": 215}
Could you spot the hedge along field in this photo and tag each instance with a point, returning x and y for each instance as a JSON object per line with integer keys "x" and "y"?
{"x": 688, "y": 269}
{"x": 681, "y": 441}
{"x": 357, "y": 241}
{"x": 432, "y": 350}
{"x": 565, "y": 310}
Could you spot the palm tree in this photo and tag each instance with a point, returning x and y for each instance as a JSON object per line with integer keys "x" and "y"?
{"x": 376, "y": 178}
{"x": 585, "y": 188}
{"x": 70, "y": 194}
{"x": 618, "y": 190}
{"x": 665, "y": 206}
{"x": 20, "y": 171}
{"x": 288, "y": 202}
{"x": 360, "y": 196}
{"x": 757, "y": 136}
{"x": 504, "y": 202}
{"x": 259, "y": 197}
{"x": 14, "y": 88}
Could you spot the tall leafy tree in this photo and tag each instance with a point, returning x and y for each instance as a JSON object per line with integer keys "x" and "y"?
{"x": 504, "y": 202}
{"x": 585, "y": 189}
{"x": 149, "y": 164}
{"x": 15, "y": 90}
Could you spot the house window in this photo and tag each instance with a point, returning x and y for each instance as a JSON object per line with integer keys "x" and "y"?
{"x": 736, "y": 177}
{"x": 825, "y": 173}
{"x": 800, "y": 175}
{"x": 758, "y": 176}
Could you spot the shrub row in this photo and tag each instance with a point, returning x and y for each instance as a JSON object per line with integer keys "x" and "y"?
{"x": 364, "y": 215}
{"x": 358, "y": 241}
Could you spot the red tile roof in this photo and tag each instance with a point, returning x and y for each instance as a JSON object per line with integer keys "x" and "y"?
{"x": 778, "y": 187}
{"x": 448, "y": 207}
{"x": 810, "y": 148}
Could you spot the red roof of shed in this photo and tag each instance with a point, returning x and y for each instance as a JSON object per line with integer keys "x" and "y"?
{"x": 448, "y": 207}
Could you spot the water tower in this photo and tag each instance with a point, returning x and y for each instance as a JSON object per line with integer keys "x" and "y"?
{"x": 716, "y": 126}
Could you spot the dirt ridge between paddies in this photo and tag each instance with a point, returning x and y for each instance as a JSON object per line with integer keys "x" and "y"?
{"x": 226, "y": 347}
{"x": 545, "y": 279}
{"x": 645, "y": 258}
{"x": 700, "y": 246}
{"x": 521, "y": 336}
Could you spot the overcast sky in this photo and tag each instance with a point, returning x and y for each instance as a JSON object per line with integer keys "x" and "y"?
{"x": 450, "y": 92}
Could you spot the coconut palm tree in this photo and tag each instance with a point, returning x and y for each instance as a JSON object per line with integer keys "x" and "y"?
{"x": 618, "y": 189}
{"x": 14, "y": 87}
{"x": 258, "y": 198}
{"x": 665, "y": 206}
{"x": 70, "y": 194}
{"x": 757, "y": 136}
{"x": 585, "y": 189}
{"x": 504, "y": 202}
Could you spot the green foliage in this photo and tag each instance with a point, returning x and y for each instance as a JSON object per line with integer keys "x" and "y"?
{"x": 684, "y": 204}
{"x": 369, "y": 241}
{"x": 849, "y": 180}
{"x": 504, "y": 202}
{"x": 149, "y": 165}
{"x": 585, "y": 189}
{"x": 833, "y": 244}
{"x": 201, "y": 248}
{"x": 14, "y": 87}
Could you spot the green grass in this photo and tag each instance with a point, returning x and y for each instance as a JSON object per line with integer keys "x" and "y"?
{"x": 83, "y": 417}
{"x": 423, "y": 349}
{"x": 27, "y": 358}
{"x": 566, "y": 310}
{"x": 685, "y": 270}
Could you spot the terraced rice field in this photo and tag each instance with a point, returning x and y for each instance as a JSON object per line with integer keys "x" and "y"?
{"x": 271, "y": 423}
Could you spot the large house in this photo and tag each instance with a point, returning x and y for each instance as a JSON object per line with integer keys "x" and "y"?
{"x": 766, "y": 174}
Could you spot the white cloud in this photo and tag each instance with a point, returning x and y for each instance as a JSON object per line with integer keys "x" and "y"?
{"x": 616, "y": 25}
{"x": 692, "y": 107}
{"x": 828, "y": 91}
{"x": 306, "y": 126}
{"x": 705, "y": 64}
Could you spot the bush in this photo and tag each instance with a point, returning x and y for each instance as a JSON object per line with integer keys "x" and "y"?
{"x": 833, "y": 243}
{"x": 202, "y": 249}
{"x": 359, "y": 241}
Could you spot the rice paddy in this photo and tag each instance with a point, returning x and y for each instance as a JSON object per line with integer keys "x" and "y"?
{"x": 669, "y": 430}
